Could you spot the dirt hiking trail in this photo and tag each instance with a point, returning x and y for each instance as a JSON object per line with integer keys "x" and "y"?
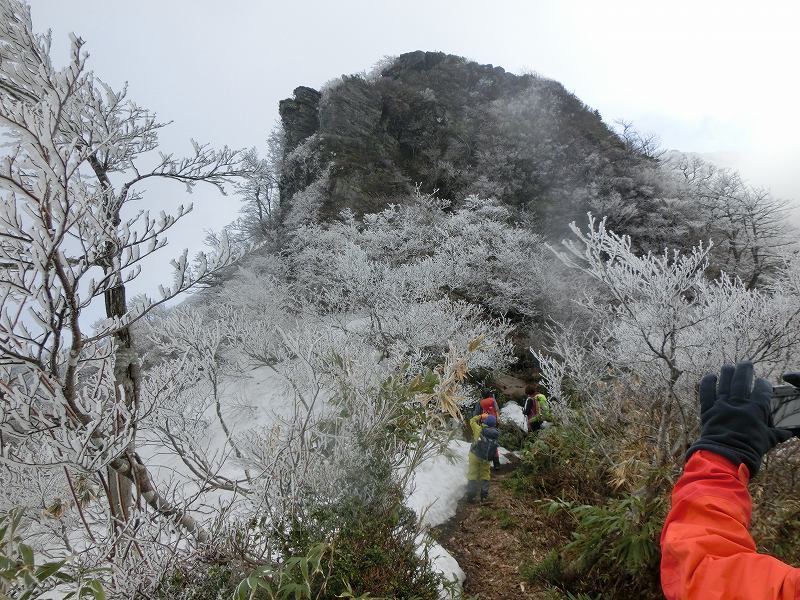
{"x": 491, "y": 540}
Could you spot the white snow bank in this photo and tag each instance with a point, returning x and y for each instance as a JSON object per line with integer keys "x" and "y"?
{"x": 512, "y": 412}
{"x": 438, "y": 484}
{"x": 444, "y": 563}
{"x": 249, "y": 400}
{"x": 256, "y": 397}
{"x": 436, "y": 487}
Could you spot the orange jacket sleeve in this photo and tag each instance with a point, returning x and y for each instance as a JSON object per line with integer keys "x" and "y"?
{"x": 706, "y": 549}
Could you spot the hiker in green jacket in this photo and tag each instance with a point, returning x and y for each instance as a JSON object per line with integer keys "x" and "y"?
{"x": 484, "y": 446}
{"x": 535, "y": 408}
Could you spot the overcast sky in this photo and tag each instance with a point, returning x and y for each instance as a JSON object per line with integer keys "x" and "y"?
{"x": 711, "y": 77}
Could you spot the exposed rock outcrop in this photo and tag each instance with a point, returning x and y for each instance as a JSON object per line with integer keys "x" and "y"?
{"x": 461, "y": 128}
{"x": 299, "y": 116}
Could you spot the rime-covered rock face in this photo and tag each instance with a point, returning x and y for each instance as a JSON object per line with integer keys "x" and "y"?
{"x": 458, "y": 127}
{"x": 300, "y": 116}
{"x": 300, "y": 121}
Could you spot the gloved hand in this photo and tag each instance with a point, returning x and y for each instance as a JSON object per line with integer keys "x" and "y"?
{"x": 735, "y": 421}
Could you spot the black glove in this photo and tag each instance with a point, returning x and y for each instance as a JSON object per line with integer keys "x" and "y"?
{"x": 735, "y": 421}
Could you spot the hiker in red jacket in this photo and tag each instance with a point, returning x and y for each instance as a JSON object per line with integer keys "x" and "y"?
{"x": 488, "y": 406}
{"x": 706, "y": 549}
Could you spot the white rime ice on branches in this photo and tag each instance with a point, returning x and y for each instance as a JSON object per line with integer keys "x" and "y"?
{"x": 302, "y": 363}
{"x": 657, "y": 324}
{"x": 75, "y": 152}
{"x": 273, "y": 396}
{"x": 422, "y": 273}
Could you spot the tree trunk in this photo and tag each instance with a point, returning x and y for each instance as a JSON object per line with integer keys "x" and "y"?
{"x": 131, "y": 468}
{"x": 126, "y": 383}
{"x": 128, "y": 476}
{"x": 126, "y": 367}
{"x": 662, "y": 439}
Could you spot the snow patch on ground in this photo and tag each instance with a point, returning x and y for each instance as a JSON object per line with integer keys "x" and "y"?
{"x": 255, "y": 398}
{"x": 512, "y": 412}
{"x": 438, "y": 484}
{"x": 436, "y": 487}
{"x": 259, "y": 398}
{"x": 444, "y": 563}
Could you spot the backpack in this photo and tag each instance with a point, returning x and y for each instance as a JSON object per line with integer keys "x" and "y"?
{"x": 486, "y": 446}
{"x": 542, "y": 411}
{"x": 531, "y": 407}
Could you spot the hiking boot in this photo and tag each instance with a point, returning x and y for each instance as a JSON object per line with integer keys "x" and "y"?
{"x": 484, "y": 499}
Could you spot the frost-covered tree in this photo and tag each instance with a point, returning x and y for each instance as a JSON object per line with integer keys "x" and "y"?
{"x": 259, "y": 195}
{"x": 657, "y": 325}
{"x": 749, "y": 227}
{"x": 647, "y": 145}
{"x": 472, "y": 251}
{"x": 294, "y": 421}
{"x": 464, "y": 272}
{"x": 70, "y": 236}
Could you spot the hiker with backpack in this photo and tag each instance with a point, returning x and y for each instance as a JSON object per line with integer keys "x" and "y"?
{"x": 488, "y": 406}
{"x": 483, "y": 448}
{"x": 535, "y": 408}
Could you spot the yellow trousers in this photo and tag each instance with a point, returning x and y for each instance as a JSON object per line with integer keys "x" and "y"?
{"x": 478, "y": 469}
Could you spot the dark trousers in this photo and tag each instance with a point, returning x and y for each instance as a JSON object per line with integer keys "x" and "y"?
{"x": 473, "y": 486}
{"x": 534, "y": 426}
